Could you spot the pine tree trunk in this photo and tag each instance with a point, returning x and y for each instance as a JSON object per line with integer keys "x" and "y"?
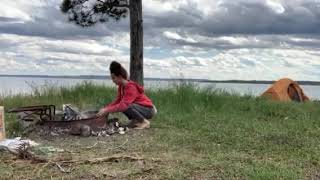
{"x": 136, "y": 41}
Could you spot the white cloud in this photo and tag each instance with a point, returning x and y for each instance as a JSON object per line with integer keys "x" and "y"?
{"x": 245, "y": 64}
{"x": 10, "y": 12}
{"x": 152, "y": 6}
{"x": 183, "y": 39}
{"x": 235, "y": 40}
{"x": 175, "y": 36}
{"x": 276, "y": 6}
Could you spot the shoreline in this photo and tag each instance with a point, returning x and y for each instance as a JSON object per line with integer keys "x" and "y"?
{"x": 100, "y": 77}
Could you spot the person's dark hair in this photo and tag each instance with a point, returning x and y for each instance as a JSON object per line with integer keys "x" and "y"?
{"x": 116, "y": 69}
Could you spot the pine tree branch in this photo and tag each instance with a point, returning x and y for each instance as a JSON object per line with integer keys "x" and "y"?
{"x": 126, "y": 5}
{"x": 85, "y": 14}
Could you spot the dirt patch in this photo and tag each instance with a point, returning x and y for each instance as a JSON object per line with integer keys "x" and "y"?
{"x": 113, "y": 157}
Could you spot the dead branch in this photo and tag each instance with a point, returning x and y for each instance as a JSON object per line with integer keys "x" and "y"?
{"x": 42, "y": 167}
{"x": 115, "y": 158}
{"x": 90, "y": 147}
{"x": 24, "y": 152}
{"x": 61, "y": 169}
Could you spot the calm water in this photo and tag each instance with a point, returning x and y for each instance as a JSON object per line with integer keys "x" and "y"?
{"x": 13, "y": 85}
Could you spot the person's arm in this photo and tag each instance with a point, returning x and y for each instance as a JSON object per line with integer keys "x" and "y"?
{"x": 117, "y": 100}
{"x": 103, "y": 111}
{"x": 130, "y": 94}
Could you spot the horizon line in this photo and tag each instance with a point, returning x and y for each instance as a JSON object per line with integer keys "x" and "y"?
{"x": 163, "y": 79}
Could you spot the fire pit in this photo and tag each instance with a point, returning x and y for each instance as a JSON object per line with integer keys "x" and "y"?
{"x": 69, "y": 120}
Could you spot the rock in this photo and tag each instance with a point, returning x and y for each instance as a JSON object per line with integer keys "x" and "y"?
{"x": 85, "y": 130}
{"x": 80, "y": 129}
{"x": 54, "y": 134}
{"x": 94, "y": 133}
{"x": 76, "y": 129}
{"x": 102, "y": 134}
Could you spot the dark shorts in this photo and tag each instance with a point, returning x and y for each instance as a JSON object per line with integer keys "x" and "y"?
{"x": 139, "y": 113}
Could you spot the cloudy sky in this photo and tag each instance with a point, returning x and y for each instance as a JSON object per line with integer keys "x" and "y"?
{"x": 207, "y": 39}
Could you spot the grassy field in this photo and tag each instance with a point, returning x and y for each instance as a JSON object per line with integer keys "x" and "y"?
{"x": 197, "y": 134}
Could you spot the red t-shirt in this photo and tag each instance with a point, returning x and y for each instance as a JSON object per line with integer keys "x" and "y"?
{"x": 129, "y": 94}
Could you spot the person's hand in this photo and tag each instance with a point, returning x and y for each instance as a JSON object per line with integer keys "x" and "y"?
{"x": 102, "y": 112}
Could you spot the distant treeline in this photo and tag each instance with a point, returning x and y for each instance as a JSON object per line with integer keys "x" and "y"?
{"x": 161, "y": 79}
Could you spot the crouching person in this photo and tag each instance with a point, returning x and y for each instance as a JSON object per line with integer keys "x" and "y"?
{"x": 130, "y": 100}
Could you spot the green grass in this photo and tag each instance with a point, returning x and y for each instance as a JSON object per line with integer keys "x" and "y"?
{"x": 197, "y": 134}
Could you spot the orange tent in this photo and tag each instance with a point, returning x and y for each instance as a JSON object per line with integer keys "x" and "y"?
{"x": 286, "y": 90}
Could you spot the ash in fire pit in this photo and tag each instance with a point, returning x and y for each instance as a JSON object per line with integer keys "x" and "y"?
{"x": 69, "y": 121}
{"x": 112, "y": 127}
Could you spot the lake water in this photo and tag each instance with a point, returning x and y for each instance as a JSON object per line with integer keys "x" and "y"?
{"x": 19, "y": 85}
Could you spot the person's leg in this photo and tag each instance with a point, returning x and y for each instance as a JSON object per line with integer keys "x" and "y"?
{"x": 138, "y": 116}
{"x": 146, "y": 112}
{"x": 139, "y": 112}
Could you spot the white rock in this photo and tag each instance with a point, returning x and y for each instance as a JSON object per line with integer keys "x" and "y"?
{"x": 54, "y": 134}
